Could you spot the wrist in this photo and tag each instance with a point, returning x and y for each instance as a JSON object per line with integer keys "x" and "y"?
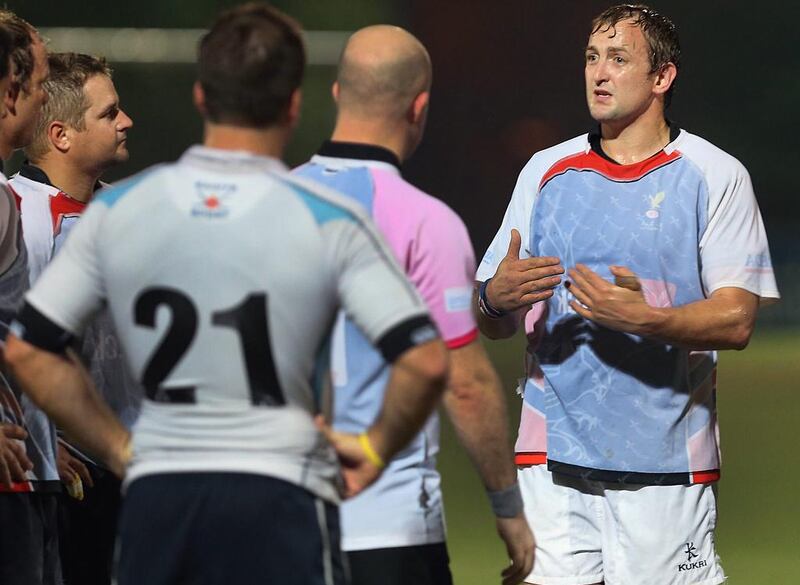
{"x": 485, "y": 305}
{"x": 122, "y": 455}
{"x": 653, "y": 323}
{"x": 372, "y": 447}
{"x": 507, "y": 502}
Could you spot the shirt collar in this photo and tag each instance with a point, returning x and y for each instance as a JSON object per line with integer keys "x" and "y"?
{"x": 358, "y": 151}
{"x": 34, "y": 173}
{"x": 231, "y": 160}
{"x": 595, "y": 136}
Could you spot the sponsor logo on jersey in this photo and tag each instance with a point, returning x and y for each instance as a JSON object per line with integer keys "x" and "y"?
{"x": 655, "y": 203}
{"x": 212, "y": 198}
{"x": 651, "y": 221}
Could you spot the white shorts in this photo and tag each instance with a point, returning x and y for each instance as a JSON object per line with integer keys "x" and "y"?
{"x": 591, "y": 532}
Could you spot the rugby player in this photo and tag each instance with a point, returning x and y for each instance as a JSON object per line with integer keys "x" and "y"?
{"x": 394, "y": 532}
{"x": 28, "y": 504}
{"x": 224, "y": 274}
{"x": 667, "y": 261}
{"x": 81, "y": 132}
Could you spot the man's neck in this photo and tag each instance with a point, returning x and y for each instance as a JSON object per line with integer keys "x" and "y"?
{"x": 263, "y": 142}
{"x": 349, "y": 129}
{"x": 68, "y": 178}
{"x": 629, "y": 143}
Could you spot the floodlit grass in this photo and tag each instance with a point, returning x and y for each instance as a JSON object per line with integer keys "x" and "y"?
{"x": 758, "y": 534}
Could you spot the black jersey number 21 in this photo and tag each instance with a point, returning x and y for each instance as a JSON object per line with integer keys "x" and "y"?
{"x": 248, "y": 319}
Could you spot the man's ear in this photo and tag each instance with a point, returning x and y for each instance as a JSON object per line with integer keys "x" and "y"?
{"x": 665, "y": 78}
{"x": 199, "y": 98}
{"x": 419, "y": 107}
{"x": 295, "y": 106}
{"x": 11, "y": 96}
{"x": 57, "y": 136}
{"x": 335, "y": 91}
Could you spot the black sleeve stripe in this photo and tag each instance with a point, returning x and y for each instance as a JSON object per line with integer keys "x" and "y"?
{"x": 33, "y": 327}
{"x": 404, "y": 336}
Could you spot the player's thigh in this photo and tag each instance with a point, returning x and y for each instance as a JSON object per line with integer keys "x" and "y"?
{"x": 661, "y": 535}
{"x": 222, "y": 528}
{"x": 565, "y": 515}
{"x": 427, "y": 564}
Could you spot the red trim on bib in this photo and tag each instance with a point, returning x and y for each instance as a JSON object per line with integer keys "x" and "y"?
{"x": 530, "y": 458}
{"x": 17, "y": 487}
{"x": 591, "y": 161}
{"x": 704, "y": 476}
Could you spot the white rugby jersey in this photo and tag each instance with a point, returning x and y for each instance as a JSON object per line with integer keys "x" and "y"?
{"x": 15, "y": 406}
{"x": 607, "y": 405}
{"x": 48, "y": 215}
{"x": 223, "y": 274}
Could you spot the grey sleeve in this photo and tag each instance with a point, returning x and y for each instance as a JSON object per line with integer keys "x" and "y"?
{"x": 9, "y": 229}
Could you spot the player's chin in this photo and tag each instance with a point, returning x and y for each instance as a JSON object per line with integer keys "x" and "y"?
{"x": 122, "y": 154}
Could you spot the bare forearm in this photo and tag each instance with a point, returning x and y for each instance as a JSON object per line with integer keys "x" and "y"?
{"x": 477, "y": 409}
{"x": 500, "y": 328}
{"x": 414, "y": 390}
{"x": 718, "y": 322}
{"x": 61, "y": 387}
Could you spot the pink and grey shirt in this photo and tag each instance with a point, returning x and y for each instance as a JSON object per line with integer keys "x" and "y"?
{"x": 431, "y": 243}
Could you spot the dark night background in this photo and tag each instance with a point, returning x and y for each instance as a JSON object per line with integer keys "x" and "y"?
{"x": 507, "y": 81}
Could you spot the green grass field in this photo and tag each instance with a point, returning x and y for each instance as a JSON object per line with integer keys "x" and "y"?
{"x": 758, "y": 533}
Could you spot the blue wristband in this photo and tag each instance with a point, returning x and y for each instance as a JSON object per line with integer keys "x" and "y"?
{"x": 483, "y": 304}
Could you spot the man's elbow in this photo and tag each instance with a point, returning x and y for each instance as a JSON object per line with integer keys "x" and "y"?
{"x": 433, "y": 366}
{"x": 740, "y": 336}
{"x": 16, "y": 352}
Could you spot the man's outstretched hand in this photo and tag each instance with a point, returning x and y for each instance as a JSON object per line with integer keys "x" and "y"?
{"x": 520, "y": 282}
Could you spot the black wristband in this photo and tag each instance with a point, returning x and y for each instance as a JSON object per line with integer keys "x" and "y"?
{"x": 483, "y": 303}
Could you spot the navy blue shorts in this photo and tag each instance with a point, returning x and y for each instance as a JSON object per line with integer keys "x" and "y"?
{"x": 226, "y": 529}
{"x": 427, "y": 564}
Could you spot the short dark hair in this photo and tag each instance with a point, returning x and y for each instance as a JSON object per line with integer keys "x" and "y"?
{"x": 249, "y": 64}
{"x": 6, "y": 46}
{"x": 66, "y": 100}
{"x": 658, "y": 30}
{"x": 22, "y": 35}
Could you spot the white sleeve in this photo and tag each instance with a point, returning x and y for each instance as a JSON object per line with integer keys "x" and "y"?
{"x": 733, "y": 249}
{"x": 518, "y": 216}
{"x": 71, "y": 289}
{"x": 37, "y": 230}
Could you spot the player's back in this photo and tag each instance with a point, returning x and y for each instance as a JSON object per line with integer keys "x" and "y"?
{"x": 223, "y": 275}
{"x": 404, "y": 507}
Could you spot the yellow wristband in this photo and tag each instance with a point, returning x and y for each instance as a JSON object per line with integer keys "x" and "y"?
{"x": 371, "y": 454}
{"x": 127, "y": 451}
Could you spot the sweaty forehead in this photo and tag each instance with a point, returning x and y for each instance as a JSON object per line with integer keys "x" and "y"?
{"x": 624, "y": 34}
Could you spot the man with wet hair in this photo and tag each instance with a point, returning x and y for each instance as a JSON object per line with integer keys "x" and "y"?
{"x": 394, "y": 532}
{"x": 667, "y": 261}
{"x": 81, "y": 132}
{"x": 224, "y": 301}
